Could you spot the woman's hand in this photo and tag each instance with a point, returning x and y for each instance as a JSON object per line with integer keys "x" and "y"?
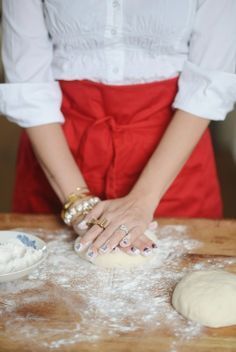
{"x": 130, "y": 211}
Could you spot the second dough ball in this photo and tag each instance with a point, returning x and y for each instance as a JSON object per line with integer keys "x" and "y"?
{"x": 207, "y": 297}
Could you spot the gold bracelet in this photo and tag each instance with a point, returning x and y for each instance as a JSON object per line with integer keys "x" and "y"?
{"x": 80, "y": 193}
{"x": 74, "y": 196}
{"x": 87, "y": 202}
{"x": 76, "y": 210}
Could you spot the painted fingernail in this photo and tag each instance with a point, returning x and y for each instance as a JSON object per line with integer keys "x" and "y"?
{"x": 125, "y": 241}
{"x": 83, "y": 225}
{"x": 147, "y": 251}
{"x": 104, "y": 248}
{"x": 154, "y": 245}
{"x": 78, "y": 247}
{"x": 135, "y": 250}
{"x": 91, "y": 254}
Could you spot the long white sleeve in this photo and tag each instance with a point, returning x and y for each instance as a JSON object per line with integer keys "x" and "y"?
{"x": 30, "y": 95}
{"x": 207, "y": 83}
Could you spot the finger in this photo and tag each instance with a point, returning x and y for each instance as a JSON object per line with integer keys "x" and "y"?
{"x": 113, "y": 241}
{"x": 100, "y": 237}
{"x": 78, "y": 247}
{"x": 133, "y": 234}
{"x": 144, "y": 244}
{"x": 94, "y": 213}
{"x": 91, "y": 235}
{"x": 131, "y": 250}
{"x": 92, "y": 252}
{"x": 86, "y": 242}
{"x": 102, "y": 241}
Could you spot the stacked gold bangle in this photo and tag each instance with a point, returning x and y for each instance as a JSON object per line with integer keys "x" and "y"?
{"x": 77, "y": 205}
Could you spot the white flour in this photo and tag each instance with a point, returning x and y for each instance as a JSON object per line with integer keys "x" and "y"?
{"x": 15, "y": 256}
{"x": 97, "y": 302}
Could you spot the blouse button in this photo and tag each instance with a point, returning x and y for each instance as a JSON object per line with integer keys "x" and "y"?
{"x": 115, "y": 3}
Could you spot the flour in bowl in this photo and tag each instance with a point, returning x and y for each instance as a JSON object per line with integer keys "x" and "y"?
{"x": 15, "y": 255}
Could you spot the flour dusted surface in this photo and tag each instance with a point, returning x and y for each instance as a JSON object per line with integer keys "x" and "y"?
{"x": 97, "y": 302}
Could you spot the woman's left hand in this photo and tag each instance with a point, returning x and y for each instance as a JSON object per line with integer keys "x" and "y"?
{"x": 128, "y": 211}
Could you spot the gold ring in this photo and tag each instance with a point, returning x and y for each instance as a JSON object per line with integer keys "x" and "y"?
{"x": 93, "y": 221}
{"x": 102, "y": 222}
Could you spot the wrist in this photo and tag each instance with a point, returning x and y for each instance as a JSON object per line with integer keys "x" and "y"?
{"x": 144, "y": 199}
{"x": 72, "y": 188}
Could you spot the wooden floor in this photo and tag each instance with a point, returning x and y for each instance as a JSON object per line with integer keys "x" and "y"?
{"x": 9, "y": 135}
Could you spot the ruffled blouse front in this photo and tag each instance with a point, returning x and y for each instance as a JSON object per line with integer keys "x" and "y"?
{"x": 117, "y": 42}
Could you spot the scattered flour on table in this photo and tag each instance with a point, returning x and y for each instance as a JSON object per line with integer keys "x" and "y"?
{"x": 98, "y": 302}
{"x": 16, "y": 256}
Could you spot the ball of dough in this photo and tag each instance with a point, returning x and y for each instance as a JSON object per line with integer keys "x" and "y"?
{"x": 207, "y": 297}
{"x": 119, "y": 259}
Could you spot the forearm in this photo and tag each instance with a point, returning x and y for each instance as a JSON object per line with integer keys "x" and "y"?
{"x": 179, "y": 140}
{"x": 52, "y": 151}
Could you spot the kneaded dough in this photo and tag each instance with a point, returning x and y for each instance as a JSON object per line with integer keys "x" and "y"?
{"x": 207, "y": 297}
{"x": 119, "y": 259}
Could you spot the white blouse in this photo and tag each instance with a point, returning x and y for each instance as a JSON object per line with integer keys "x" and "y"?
{"x": 117, "y": 42}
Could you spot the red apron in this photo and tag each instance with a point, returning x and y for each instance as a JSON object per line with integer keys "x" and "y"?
{"x": 112, "y": 130}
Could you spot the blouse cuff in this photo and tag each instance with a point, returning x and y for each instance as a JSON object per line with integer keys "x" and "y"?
{"x": 31, "y": 104}
{"x": 209, "y": 94}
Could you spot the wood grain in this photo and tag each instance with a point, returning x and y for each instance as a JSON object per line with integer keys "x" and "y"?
{"x": 219, "y": 243}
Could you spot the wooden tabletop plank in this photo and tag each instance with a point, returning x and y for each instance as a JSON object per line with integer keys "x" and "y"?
{"x": 218, "y": 240}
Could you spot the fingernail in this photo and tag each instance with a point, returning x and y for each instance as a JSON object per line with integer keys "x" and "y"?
{"x": 83, "y": 225}
{"x": 125, "y": 241}
{"x": 154, "y": 245}
{"x": 134, "y": 250}
{"x": 91, "y": 254}
{"x": 103, "y": 248}
{"x": 78, "y": 247}
{"x": 147, "y": 251}
{"x": 153, "y": 225}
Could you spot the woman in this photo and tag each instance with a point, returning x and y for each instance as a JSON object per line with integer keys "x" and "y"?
{"x": 116, "y": 96}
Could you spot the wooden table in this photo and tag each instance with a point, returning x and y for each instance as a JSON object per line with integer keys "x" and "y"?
{"x": 219, "y": 241}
